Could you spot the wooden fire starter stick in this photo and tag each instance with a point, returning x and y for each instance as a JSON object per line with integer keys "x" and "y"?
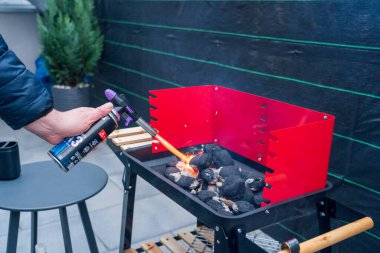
{"x": 151, "y": 247}
{"x": 327, "y": 239}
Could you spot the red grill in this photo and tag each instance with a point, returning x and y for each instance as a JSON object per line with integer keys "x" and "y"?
{"x": 287, "y": 144}
{"x": 292, "y": 141}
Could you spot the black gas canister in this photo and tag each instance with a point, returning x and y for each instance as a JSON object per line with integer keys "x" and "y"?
{"x": 72, "y": 149}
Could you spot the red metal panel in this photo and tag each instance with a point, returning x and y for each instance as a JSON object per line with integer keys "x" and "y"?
{"x": 183, "y": 116}
{"x": 238, "y": 122}
{"x": 244, "y": 121}
{"x": 293, "y": 141}
{"x": 299, "y": 157}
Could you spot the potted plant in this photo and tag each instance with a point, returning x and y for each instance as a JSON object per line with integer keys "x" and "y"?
{"x": 71, "y": 46}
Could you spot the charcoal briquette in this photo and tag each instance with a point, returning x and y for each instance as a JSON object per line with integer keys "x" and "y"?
{"x": 187, "y": 182}
{"x": 172, "y": 163}
{"x": 175, "y": 176}
{"x": 210, "y": 148}
{"x": 222, "y": 158}
{"x": 258, "y": 199}
{"x": 242, "y": 206}
{"x": 216, "y": 205}
{"x": 255, "y": 184}
{"x": 249, "y": 196}
{"x": 233, "y": 188}
{"x": 202, "y": 161}
{"x": 206, "y": 195}
{"x": 171, "y": 170}
{"x": 208, "y": 175}
{"x": 226, "y": 171}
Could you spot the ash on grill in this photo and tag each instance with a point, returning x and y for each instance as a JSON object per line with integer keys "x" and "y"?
{"x": 221, "y": 184}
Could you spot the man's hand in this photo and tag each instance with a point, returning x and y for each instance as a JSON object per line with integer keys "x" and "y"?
{"x": 56, "y": 125}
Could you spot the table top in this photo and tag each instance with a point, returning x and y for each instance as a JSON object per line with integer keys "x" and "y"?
{"x": 44, "y": 186}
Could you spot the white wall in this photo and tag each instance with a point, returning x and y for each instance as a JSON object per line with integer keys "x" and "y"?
{"x": 19, "y": 30}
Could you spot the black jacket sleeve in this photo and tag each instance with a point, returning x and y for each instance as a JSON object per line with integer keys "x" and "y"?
{"x": 23, "y": 98}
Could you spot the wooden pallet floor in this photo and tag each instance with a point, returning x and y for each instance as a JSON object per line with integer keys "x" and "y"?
{"x": 199, "y": 241}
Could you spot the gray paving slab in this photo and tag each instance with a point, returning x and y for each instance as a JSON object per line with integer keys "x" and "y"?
{"x": 51, "y": 236}
{"x": 158, "y": 215}
{"x": 107, "y": 224}
{"x": 46, "y": 217}
{"x": 104, "y": 157}
{"x": 110, "y": 196}
{"x": 4, "y": 219}
{"x": 143, "y": 188}
{"x": 113, "y": 251}
{"x": 153, "y": 217}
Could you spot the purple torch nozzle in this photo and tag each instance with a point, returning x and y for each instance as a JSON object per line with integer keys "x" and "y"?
{"x": 122, "y": 102}
{"x": 117, "y": 100}
{"x": 110, "y": 94}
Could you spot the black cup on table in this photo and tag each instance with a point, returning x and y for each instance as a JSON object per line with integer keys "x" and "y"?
{"x": 10, "y": 167}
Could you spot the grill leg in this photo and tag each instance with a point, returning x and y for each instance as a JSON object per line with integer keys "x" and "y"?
{"x": 324, "y": 220}
{"x": 221, "y": 243}
{"x": 129, "y": 182}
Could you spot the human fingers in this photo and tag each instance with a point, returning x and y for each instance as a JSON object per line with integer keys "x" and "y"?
{"x": 99, "y": 112}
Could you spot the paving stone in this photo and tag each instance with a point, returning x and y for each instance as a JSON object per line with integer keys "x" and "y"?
{"x": 143, "y": 188}
{"x": 107, "y": 224}
{"x": 4, "y": 220}
{"x": 105, "y": 158}
{"x": 46, "y": 217}
{"x": 158, "y": 215}
{"x": 51, "y": 236}
{"x": 110, "y": 196}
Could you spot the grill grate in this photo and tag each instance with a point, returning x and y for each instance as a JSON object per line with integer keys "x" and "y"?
{"x": 264, "y": 241}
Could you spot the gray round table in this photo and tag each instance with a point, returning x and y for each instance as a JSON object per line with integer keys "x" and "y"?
{"x": 43, "y": 186}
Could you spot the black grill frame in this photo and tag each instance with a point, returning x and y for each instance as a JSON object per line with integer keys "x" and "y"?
{"x": 229, "y": 230}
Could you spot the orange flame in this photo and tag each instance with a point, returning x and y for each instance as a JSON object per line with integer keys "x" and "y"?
{"x": 185, "y": 159}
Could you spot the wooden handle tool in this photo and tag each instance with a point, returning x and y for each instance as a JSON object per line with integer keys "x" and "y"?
{"x": 334, "y": 236}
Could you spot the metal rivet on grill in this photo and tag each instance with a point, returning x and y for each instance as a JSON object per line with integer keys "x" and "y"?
{"x": 155, "y": 148}
{"x": 121, "y": 153}
{"x": 266, "y": 211}
{"x": 216, "y": 228}
{"x": 259, "y": 159}
{"x": 324, "y": 117}
{"x": 216, "y": 88}
{"x": 215, "y": 140}
{"x": 217, "y": 241}
{"x": 239, "y": 230}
